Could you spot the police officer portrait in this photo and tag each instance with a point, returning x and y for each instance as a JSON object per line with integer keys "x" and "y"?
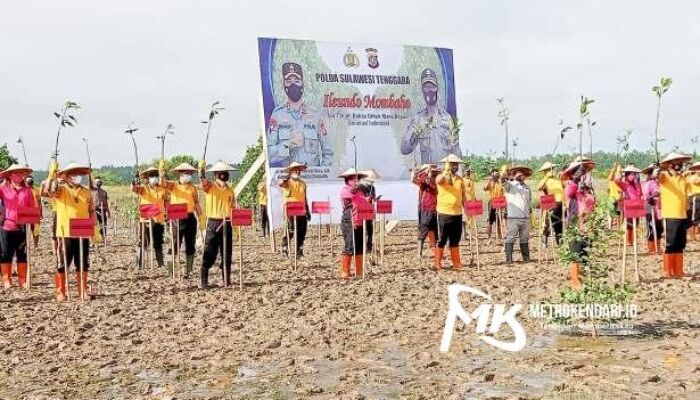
{"x": 297, "y": 131}
{"x": 431, "y": 129}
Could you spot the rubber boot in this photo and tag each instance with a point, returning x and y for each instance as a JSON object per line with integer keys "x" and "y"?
{"x": 159, "y": 258}
{"x": 509, "y": 253}
{"x": 630, "y": 236}
{"x": 431, "y": 239}
{"x": 358, "y": 265}
{"x": 668, "y": 265}
{"x": 575, "y": 275}
{"x": 22, "y": 275}
{"x": 439, "y": 252}
{"x": 525, "y": 252}
{"x": 455, "y": 257}
{"x": 59, "y": 280}
{"x": 189, "y": 265}
{"x": 204, "y": 277}
{"x": 345, "y": 261}
{"x": 6, "y": 275}
{"x": 678, "y": 265}
{"x": 651, "y": 247}
{"x": 81, "y": 280}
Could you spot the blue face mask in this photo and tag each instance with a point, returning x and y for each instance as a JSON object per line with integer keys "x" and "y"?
{"x": 153, "y": 180}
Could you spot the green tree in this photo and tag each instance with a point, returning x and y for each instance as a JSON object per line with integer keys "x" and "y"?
{"x": 5, "y": 158}
{"x": 248, "y": 196}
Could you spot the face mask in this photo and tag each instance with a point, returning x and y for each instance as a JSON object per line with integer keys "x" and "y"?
{"x": 223, "y": 176}
{"x": 677, "y": 167}
{"x": 294, "y": 92}
{"x": 153, "y": 180}
{"x": 430, "y": 94}
{"x": 77, "y": 179}
{"x": 294, "y": 176}
{"x": 16, "y": 179}
{"x": 185, "y": 178}
{"x": 365, "y": 182}
{"x": 454, "y": 169}
{"x": 30, "y": 182}
{"x": 98, "y": 184}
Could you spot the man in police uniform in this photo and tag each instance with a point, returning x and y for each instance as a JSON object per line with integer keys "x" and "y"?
{"x": 297, "y": 132}
{"x": 431, "y": 127}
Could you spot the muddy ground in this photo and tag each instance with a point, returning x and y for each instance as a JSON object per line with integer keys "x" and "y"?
{"x": 308, "y": 334}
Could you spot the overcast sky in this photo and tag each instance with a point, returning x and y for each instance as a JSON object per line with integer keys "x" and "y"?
{"x": 166, "y": 61}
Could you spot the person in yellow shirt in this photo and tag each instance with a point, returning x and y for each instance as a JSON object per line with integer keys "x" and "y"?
{"x": 450, "y": 199}
{"x": 614, "y": 191}
{"x": 551, "y": 185}
{"x": 71, "y": 200}
{"x": 294, "y": 190}
{"x": 493, "y": 189}
{"x": 184, "y": 192}
{"x": 693, "y": 177}
{"x": 151, "y": 192}
{"x": 674, "y": 197}
{"x": 219, "y": 201}
{"x": 36, "y": 228}
{"x": 262, "y": 204}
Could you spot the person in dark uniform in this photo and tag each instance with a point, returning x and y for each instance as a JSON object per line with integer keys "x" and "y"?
{"x": 297, "y": 132}
{"x": 431, "y": 127}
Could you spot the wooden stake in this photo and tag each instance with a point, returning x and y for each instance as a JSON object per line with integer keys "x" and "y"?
{"x": 624, "y": 255}
{"x": 65, "y": 265}
{"x": 81, "y": 288}
{"x": 476, "y": 239}
{"x": 296, "y": 238}
{"x": 172, "y": 248}
{"x": 240, "y": 258}
{"x": 653, "y": 227}
{"x": 151, "y": 250}
{"x": 636, "y": 264}
{"x": 29, "y": 256}
{"x": 382, "y": 239}
{"x": 364, "y": 247}
{"x": 224, "y": 258}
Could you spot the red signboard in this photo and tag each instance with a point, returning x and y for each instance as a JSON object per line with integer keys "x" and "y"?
{"x": 474, "y": 208}
{"x": 81, "y": 227}
{"x": 149, "y": 211}
{"x": 365, "y": 211}
{"x": 385, "y": 207}
{"x": 498, "y": 202}
{"x": 548, "y": 202}
{"x": 295, "y": 208}
{"x": 176, "y": 211}
{"x": 241, "y": 217}
{"x": 634, "y": 209}
{"x": 30, "y": 215}
{"x": 321, "y": 207}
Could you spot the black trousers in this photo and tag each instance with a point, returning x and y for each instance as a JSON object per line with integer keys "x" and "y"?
{"x": 187, "y": 229}
{"x": 450, "y": 230}
{"x": 352, "y": 235}
{"x": 581, "y": 247}
{"x": 264, "y": 221}
{"x": 13, "y": 244}
{"x": 145, "y": 235}
{"x": 427, "y": 222}
{"x": 72, "y": 249}
{"x": 650, "y": 228}
{"x": 214, "y": 243}
{"x": 676, "y": 231}
{"x": 370, "y": 234}
{"x": 694, "y": 219}
{"x": 556, "y": 215}
{"x": 301, "y": 228}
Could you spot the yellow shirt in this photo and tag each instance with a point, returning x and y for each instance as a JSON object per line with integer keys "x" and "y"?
{"x": 469, "y": 189}
{"x": 70, "y": 203}
{"x": 614, "y": 191}
{"x": 496, "y": 190}
{"x": 153, "y": 195}
{"x": 694, "y": 183}
{"x": 262, "y": 194}
{"x": 450, "y": 195}
{"x": 552, "y": 187}
{"x": 183, "y": 194}
{"x": 219, "y": 200}
{"x": 674, "y": 196}
{"x": 294, "y": 190}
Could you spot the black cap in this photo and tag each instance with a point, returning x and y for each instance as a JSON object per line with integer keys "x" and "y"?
{"x": 289, "y": 69}
{"x": 428, "y": 75}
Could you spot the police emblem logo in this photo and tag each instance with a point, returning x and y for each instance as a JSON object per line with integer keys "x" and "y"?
{"x": 351, "y": 59}
{"x": 372, "y": 57}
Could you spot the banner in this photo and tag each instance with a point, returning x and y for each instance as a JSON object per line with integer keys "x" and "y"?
{"x": 333, "y": 106}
